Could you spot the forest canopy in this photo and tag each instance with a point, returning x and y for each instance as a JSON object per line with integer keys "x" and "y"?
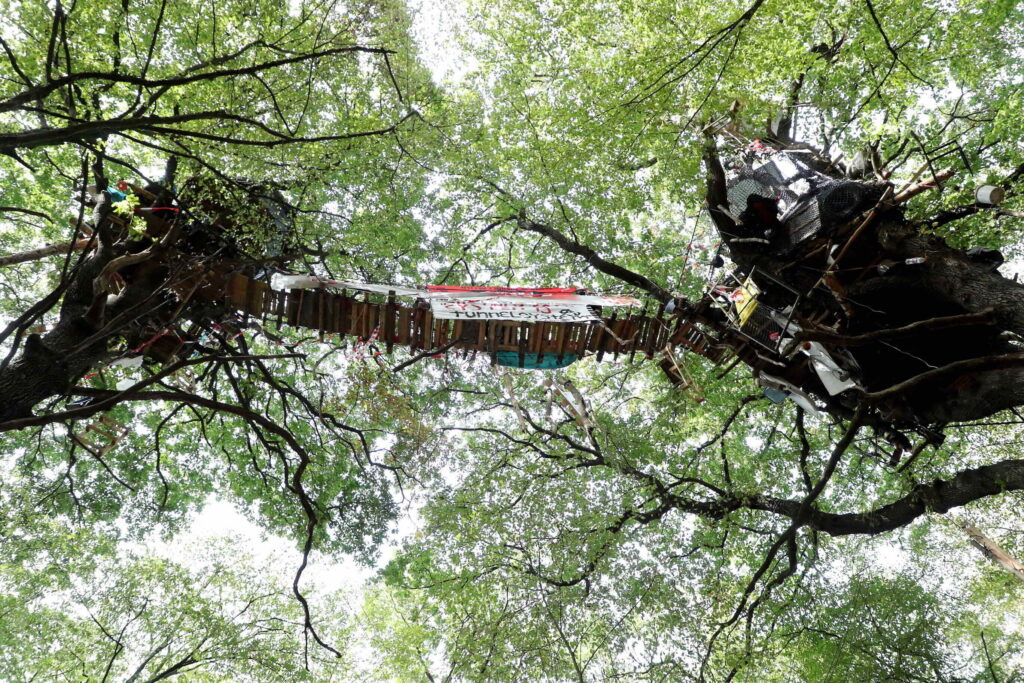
{"x": 236, "y": 239}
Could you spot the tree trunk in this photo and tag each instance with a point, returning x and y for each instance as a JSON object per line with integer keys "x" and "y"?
{"x": 50, "y": 364}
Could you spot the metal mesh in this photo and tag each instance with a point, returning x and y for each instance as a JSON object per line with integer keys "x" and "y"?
{"x": 761, "y": 323}
{"x": 802, "y": 223}
{"x": 761, "y": 327}
{"x": 744, "y": 188}
{"x": 809, "y": 202}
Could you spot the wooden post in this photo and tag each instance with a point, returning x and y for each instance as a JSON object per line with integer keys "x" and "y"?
{"x": 389, "y": 322}
{"x": 523, "y": 342}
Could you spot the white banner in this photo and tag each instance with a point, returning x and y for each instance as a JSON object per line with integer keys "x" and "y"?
{"x": 552, "y": 299}
{"x": 530, "y": 305}
{"x": 511, "y": 308}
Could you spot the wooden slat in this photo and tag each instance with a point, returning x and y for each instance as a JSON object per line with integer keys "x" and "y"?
{"x": 576, "y": 338}
{"x": 372, "y": 319}
{"x": 605, "y": 338}
{"x": 635, "y": 332}
{"x": 597, "y": 337}
{"x": 587, "y": 339}
{"x": 418, "y": 329}
{"x": 281, "y": 305}
{"x": 251, "y": 297}
{"x": 237, "y": 290}
{"x": 309, "y": 309}
{"x": 364, "y": 320}
{"x": 389, "y": 322}
{"x": 403, "y": 325}
{"x": 481, "y": 335}
{"x": 300, "y": 320}
{"x": 269, "y": 299}
{"x": 441, "y": 333}
{"x": 492, "y": 340}
{"x": 333, "y": 313}
{"x": 564, "y": 330}
{"x": 321, "y": 302}
{"x": 533, "y": 337}
{"x": 653, "y": 332}
{"x": 292, "y": 315}
{"x": 355, "y": 325}
{"x": 525, "y": 329}
{"x": 346, "y": 314}
{"x": 457, "y": 331}
{"x": 542, "y": 340}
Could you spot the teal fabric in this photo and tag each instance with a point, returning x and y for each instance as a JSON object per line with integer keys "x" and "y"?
{"x": 549, "y": 361}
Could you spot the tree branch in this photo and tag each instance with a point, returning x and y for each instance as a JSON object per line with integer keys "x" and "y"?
{"x": 593, "y": 258}
{"x": 44, "y": 90}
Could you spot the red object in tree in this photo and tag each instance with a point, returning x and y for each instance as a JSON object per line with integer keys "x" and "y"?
{"x": 521, "y": 291}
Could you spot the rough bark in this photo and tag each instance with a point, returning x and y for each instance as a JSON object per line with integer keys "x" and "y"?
{"x": 949, "y": 282}
{"x": 50, "y": 364}
{"x": 939, "y": 496}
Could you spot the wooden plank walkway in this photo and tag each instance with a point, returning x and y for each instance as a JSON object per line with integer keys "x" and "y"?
{"x": 393, "y": 323}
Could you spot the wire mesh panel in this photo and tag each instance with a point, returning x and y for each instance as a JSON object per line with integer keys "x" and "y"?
{"x": 840, "y": 201}
{"x": 763, "y": 328}
{"x": 744, "y": 188}
{"x": 740, "y": 298}
{"x": 802, "y": 223}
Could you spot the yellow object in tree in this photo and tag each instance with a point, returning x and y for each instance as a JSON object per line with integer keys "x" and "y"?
{"x": 744, "y": 298}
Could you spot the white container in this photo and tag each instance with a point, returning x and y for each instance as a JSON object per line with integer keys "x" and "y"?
{"x": 990, "y": 195}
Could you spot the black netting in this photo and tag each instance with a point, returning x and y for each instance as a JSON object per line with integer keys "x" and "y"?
{"x": 841, "y": 201}
{"x": 743, "y": 188}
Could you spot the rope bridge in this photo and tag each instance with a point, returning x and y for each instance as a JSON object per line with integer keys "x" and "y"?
{"x": 393, "y": 323}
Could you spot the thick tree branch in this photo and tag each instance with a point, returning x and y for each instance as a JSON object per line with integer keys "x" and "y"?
{"x": 42, "y": 91}
{"x": 930, "y": 325}
{"x": 593, "y": 258}
{"x": 90, "y": 130}
{"x": 43, "y": 252}
{"x": 1002, "y": 362}
{"x": 940, "y": 496}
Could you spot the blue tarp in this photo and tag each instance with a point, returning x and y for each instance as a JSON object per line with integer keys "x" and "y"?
{"x": 549, "y": 361}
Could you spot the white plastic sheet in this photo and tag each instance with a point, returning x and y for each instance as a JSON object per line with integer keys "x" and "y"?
{"x": 511, "y": 308}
